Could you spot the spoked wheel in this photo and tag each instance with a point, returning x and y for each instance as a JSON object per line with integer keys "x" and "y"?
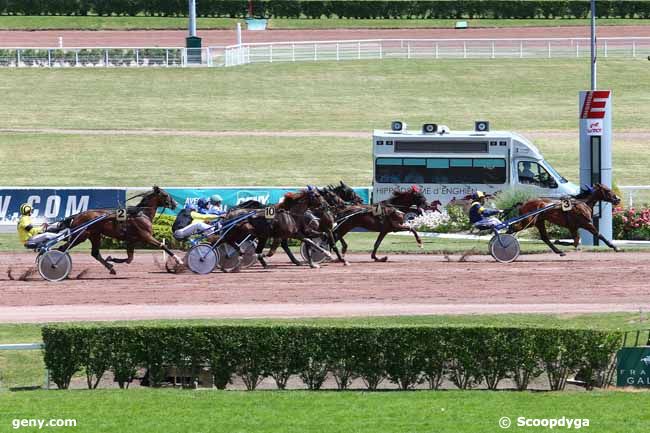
{"x": 249, "y": 258}
{"x": 228, "y": 257}
{"x": 202, "y": 259}
{"x": 54, "y": 265}
{"x": 317, "y": 256}
{"x": 504, "y": 248}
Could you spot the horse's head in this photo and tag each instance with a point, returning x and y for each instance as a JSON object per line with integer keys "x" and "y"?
{"x": 162, "y": 198}
{"x": 412, "y": 197}
{"x": 331, "y": 198}
{"x": 603, "y": 193}
{"x": 347, "y": 194}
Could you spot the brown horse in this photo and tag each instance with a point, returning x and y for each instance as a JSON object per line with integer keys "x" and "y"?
{"x": 293, "y": 219}
{"x": 579, "y": 217}
{"x": 384, "y": 217}
{"x": 137, "y": 227}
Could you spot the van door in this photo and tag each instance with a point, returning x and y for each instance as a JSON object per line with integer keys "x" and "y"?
{"x": 531, "y": 174}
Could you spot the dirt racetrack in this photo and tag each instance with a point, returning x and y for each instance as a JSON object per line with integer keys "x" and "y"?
{"x": 176, "y": 38}
{"x": 406, "y": 284}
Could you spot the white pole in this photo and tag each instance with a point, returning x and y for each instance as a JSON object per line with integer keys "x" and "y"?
{"x": 239, "y": 34}
{"x": 192, "y": 6}
{"x": 293, "y": 52}
{"x": 492, "y": 49}
{"x": 593, "y": 45}
{"x": 337, "y": 52}
{"x": 60, "y": 42}
{"x": 549, "y": 49}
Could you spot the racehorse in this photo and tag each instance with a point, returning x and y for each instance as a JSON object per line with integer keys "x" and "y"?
{"x": 138, "y": 227}
{"x": 294, "y": 218}
{"x": 383, "y": 217}
{"x": 578, "y": 217}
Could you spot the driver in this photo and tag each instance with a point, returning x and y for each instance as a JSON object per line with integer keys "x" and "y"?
{"x": 29, "y": 235}
{"x": 526, "y": 175}
{"x": 191, "y": 221}
{"x": 481, "y": 217}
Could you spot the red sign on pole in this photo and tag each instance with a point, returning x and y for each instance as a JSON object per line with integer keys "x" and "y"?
{"x": 595, "y": 105}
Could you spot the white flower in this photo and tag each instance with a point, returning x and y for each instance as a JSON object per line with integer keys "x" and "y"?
{"x": 430, "y": 220}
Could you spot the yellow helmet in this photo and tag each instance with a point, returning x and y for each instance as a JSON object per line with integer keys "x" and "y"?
{"x": 478, "y": 195}
{"x": 25, "y": 209}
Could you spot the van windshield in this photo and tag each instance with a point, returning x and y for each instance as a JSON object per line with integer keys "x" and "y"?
{"x": 554, "y": 172}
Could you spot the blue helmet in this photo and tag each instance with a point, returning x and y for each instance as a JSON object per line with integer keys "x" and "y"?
{"x": 202, "y": 203}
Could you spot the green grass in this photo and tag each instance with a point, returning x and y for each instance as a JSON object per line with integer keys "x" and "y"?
{"x": 336, "y": 23}
{"x": 352, "y": 96}
{"x": 190, "y": 160}
{"x": 329, "y": 96}
{"x": 8, "y": 22}
{"x": 218, "y": 411}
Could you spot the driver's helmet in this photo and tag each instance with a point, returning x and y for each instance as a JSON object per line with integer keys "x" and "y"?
{"x": 216, "y": 199}
{"x": 202, "y": 203}
{"x": 478, "y": 195}
{"x": 25, "y": 209}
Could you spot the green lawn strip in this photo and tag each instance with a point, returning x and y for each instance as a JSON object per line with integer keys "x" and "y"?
{"x": 93, "y": 22}
{"x": 236, "y": 161}
{"x": 363, "y": 242}
{"x": 322, "y": 96}
{"x": 300, "y": 411}
{"x": 338, "y": 23}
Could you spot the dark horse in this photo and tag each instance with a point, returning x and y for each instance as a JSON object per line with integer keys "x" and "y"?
{"x": 579, "y": 217}
{"x": 294, "y": 218}
{"x": 137, "y": 227}
{"x": 384, "y": 217}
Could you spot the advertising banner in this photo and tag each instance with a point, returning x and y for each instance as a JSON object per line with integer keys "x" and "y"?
{"x": 53, "y": 204}
{"x": 233, "y": 196}
{"x": 633, "y": 367}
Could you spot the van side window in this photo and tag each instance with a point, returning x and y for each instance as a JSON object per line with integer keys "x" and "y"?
{"x": 531, "y": 173}
{"x": 441, "y": 170}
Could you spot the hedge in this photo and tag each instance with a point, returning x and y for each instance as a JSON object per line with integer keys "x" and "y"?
{"x": 341, "y": 8}
{"x": 406, "y": 356}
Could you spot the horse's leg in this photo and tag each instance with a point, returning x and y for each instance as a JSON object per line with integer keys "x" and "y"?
{"x": 95, "y": 241}
{"x": 287, "y": 250}
{"x": 592, "y": 229}
{"x": 344, "y": 246}
{"x": 332, "y": 243}
{"x": 404, "y": 228}
{"x": 377, "y": 243}
{"x": 541, "y": 227}
{"x": 148, "y": 238}
{"x": 260, "y": 251}
{"x": 129, "y": 255}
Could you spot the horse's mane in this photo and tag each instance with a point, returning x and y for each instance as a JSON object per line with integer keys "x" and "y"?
{"x": 292, "y": 198}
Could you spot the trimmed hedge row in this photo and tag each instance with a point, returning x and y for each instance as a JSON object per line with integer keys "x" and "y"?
{"x": 338, "y": 8}
{"x": 406, "y": 356}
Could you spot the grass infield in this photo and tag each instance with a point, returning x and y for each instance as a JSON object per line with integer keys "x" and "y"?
{"x": 298, "y": 411}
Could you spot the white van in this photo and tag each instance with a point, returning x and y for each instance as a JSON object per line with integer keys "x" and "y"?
{"x": 449, "y": 165}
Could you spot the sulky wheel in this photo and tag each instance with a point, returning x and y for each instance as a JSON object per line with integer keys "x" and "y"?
{"x": 54, "y": 265}
{"x": 228, "y": 257}
{"x": 250, "y": 257}
{"x": 202, "y": 259}
{"x": 504, "y": 248}
{"x": 317, "y": 256}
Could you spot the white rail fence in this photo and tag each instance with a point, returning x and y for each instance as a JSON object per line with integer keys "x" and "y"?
{"x": 536, "y": 48}
{"x": 111, "y": 57}
{"x": 635, "y": 195}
